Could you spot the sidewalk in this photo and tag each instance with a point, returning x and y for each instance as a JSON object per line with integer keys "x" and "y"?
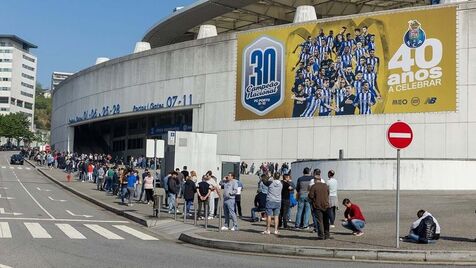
{"x": 453, "y": 209}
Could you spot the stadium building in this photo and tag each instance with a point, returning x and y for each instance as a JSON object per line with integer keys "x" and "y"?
{"x": 246, "y": 71}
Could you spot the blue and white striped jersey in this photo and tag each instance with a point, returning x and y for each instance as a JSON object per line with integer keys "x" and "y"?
{"x": 346, "y": 59}
{"x": 360, "y": 68}
{"x": 358, "y": 86}
{"x": 330, "y": 41}
{"x": 338, "y": 98}
{"x": 373, "y": 61}
{"x": 358, "y": 53}
{"x": 312, "y": 104}
{"x": 326, "y": 99}
{"x": 370, "y": 77}
{"x": 364, "y": 101}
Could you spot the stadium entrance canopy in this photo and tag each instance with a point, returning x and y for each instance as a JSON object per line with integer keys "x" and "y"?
{"x": 240, "y": 15}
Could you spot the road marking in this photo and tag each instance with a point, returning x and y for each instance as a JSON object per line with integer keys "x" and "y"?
{"x": 3, "y": 188}
{"x": 61, "y": 220}
{"x": 6, "y": 197}
{"x": 44, "y": 190}
{"x": 103, "y": 232}
{"x": 36, "y": 230}
{"x": 12, "y": 168}
{"x": 70, "y": 231}
{"x": 2, "y": 211}
{"x": 400, "y": 135}
{"x": 19, "y": 168}
{"x": 5, "y": 230}
{"x": 72, "y": 214}
{"x": 36, "y": 201}
{"x": 58, "y": 200}
{"x": 27, "y": 168}
{"x": 4, "y": 167}
{"x": 5, "y": 266}
{"x": 134, "y": 232}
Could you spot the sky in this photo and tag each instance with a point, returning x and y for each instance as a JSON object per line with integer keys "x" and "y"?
{"x": 71, "y": 34}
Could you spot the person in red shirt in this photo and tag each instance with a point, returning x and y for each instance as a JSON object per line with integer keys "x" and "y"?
{"x": 354, "y": 219}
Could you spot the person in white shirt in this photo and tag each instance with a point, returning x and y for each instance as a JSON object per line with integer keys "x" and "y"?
{"x": 332, "y": 183}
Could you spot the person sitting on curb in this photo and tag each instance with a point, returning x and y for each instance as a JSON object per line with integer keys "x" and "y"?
{"x": 424, "y": 230}
{"x": 354, "y": 219}
{"x": 260, "y": 206}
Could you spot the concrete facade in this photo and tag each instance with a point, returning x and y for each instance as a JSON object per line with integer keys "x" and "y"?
{"x": 206, "y": 69}
{"x": 17, "y": 76}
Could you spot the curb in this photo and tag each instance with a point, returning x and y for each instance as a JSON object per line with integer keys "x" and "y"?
{"x": 129, "y": 215}
{"x": 337, "y": 253}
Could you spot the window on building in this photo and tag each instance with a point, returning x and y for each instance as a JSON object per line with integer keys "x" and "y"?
{"x": 119, "y": 145}
{"x": 3, "y": 99}
{"x": 4, "y": 109}
{"x": 28, "y": 105}
{"x": 28, "y": 67}
{"x": 5, "y": 79}
{"x": 12, "y": 100}
{"x": 28, "y": 76}
{"x": 4, "y": 88}
{"x": 5, "y": 51}
{"x": 5, "y": 60}
{"x": 19, "y": 103}
{"x": 135, "y": 143}
{"x": 5, "y": 69}
{"x": 27, "y": 85}
{"x": 28, "y": 58}
{"x": 26, "y": 94}
{"x": 5, "y": 44}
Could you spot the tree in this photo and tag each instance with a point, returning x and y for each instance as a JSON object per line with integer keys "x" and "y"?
{"x": 16, "y": 126}
{"x": 42, "y": 118}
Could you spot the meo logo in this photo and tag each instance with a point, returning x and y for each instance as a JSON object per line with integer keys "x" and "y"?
{"x": 263, "y": 76}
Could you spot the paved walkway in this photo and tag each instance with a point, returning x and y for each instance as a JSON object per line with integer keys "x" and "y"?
{"x": 453, "y": 209}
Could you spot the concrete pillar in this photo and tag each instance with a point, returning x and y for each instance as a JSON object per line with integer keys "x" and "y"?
{"x": 305, "y": 13}
{"x": 141, "y": 46}
{"x": 207, "y": 31}
{"x": 101, "y": 60}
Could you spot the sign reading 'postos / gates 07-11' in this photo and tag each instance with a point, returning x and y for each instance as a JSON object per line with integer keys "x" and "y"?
{"x": 399, "y": 62}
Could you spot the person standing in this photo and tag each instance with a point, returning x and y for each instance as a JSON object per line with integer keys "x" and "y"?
{"x": 238, "y": 199}
{"x": 319, "y": 195}
{"x": 148, "y": 187}
{"x": 215, "y": 194}
{"x": 189, "y": 189}
{"x": 273, "y": 202}
{"x": 354, "y": 219}
{"x": 165, "y": 184}
{"x": 230, "y": 188}
{"x": 204, "y": 189}
{"x": 174, "y": 189}
{"x": 288, "y": 188}
{"x": 333, "y": 201}
{"x": 304, "y": 207}
{"x": 131, "y": 184}
{"x": 146, "y": 171}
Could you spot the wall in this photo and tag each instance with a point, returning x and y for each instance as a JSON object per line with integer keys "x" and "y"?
{"x": 207, "y": 69}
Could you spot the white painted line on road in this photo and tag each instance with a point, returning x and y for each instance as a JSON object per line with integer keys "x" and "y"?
{"x": 72, "y": 214}
{"x": 36, "y": 201}
{"x": 7, "y": 197}
{"x": 3, "y": 188}
{"x": 27, "y": 168}
{"x": 19, "y": 168}
{"x": 4, "y": 167}
{"x": 2, "y": 211}
{"x": 103, "y": 232}
{"x": 134, "y": 232}
{"x": 44, "y": 190}
{"x": 70, "y": 231}
{"x": 58, "y": 200}
{"x": 12, "y": 168}
{"x": 36, "y": 230}
{"x": 400, "y": 135}
{"x": 5, "y": 266}
{"x": 5, "y": 230}
{"x": 61, "y": 220}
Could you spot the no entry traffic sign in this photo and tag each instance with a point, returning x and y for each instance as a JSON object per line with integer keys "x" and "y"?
{"x": 399, "y": 135}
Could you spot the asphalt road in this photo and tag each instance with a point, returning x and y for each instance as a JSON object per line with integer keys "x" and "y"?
{"x": 42, "y": 225}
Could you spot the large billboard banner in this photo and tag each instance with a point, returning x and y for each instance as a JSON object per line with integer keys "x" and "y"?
{"x": 401, "y": 62}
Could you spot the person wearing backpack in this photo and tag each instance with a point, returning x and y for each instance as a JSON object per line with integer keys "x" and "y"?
{"x": 424, "y": 230}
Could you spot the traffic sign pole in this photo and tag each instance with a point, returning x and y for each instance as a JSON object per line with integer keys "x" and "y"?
{"x": 399, "y": 135}
{"x": 398, "y": 199}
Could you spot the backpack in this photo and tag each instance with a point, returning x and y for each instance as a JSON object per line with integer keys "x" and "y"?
{"x": 426, "y": 230}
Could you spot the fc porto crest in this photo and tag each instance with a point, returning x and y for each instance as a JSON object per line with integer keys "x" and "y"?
{"x": 263, "y": 76}
{"x": 415, "y": 36}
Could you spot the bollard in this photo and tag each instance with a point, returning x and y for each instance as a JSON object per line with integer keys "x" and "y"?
{"x": 194, "y": 215}
{"x": 175, "y": 210}
{"x": 341, "y": 154}
{"x": 206, "y": 217}
{"x": 185, "y": 212}
{"x": 160, "y": 207}
{"x": 220, "y": 212}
